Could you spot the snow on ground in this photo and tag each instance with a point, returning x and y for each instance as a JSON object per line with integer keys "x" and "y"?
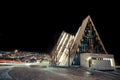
{"x": 4, "y": 73}
{"x": 38, "y": 73}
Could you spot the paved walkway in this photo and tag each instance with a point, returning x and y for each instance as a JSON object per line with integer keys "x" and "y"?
{"x": 37, "y": 73}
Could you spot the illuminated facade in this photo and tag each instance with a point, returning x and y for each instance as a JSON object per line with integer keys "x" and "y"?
{"x": 83, "y": 49}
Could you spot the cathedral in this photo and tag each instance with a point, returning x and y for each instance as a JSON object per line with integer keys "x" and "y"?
{"x": 85, "y": 49}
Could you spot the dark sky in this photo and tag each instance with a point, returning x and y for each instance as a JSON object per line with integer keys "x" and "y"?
{"x": 36, "y": 27}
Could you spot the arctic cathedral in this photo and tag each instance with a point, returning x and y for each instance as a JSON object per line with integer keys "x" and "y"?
{"x": 85, "y": 49}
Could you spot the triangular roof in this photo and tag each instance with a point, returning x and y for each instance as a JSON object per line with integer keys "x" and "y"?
{"x": 81, "y": 30}
{"x": 69, "y": 45}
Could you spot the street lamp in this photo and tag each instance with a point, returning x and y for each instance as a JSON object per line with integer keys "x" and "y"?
{"x": 69, "y": 57}
{"x": 69, "y": 47}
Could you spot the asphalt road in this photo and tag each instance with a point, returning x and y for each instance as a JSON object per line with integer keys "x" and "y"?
{"x": 4, "y": 72}
{"x": 38, "y": 73}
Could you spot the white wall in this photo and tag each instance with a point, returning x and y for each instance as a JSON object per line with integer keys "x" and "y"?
{"x": 103, "y": 64}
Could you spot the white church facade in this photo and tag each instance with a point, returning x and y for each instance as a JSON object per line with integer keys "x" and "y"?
{"x": 85, "y": 49}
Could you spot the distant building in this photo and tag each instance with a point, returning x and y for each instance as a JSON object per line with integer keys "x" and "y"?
{"x": 85, "y": 48}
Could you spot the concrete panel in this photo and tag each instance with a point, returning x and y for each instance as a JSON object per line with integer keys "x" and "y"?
{"x": 101, "y": 65}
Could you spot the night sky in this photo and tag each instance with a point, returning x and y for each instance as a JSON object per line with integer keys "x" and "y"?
{"x": 36, "y": 27}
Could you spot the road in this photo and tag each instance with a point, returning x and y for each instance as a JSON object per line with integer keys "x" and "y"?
{"x": 4, "y": 72}
{"x": 38, "y": 73}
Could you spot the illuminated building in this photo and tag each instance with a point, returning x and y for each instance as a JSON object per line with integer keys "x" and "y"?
{"x": 85, "y": 48}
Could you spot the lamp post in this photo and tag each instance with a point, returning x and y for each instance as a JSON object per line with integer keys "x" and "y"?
{"x": 69, "y": 57}
{"x": 69, "y": 47}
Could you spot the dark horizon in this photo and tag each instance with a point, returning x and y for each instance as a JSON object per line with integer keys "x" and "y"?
{"x": 37, "y": 29}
